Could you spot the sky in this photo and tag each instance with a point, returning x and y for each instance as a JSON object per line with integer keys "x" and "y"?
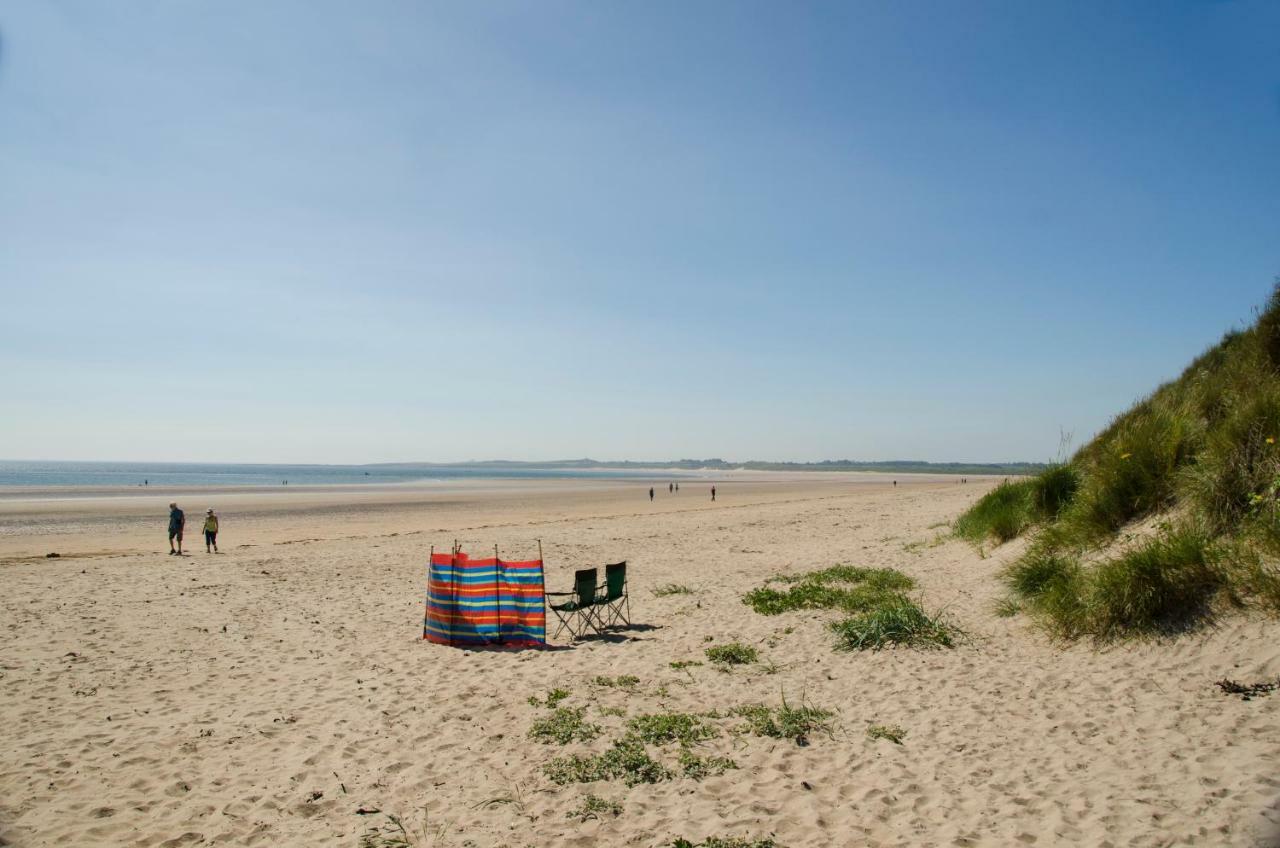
{"x": 343, "y": 233}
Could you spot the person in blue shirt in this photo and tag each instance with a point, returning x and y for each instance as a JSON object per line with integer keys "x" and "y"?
{"x": 177, "y": 522}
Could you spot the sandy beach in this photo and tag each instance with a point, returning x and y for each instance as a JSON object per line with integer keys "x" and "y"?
{"x": 279, "y": 694}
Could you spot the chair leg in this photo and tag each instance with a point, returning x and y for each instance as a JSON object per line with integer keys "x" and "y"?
{"x": 566, "y": 623}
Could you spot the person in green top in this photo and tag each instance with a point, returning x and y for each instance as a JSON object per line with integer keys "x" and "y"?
{"x": 210, "y": 532}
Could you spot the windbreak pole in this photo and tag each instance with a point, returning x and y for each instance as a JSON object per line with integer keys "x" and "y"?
{"x": 497, "y": 590}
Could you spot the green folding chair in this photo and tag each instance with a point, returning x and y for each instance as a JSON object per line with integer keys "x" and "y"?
{"x": 615, "y": 601}
{"x": 579, "y": 612}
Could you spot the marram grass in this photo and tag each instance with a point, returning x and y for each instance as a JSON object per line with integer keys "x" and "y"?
{"x": 1204, "y": 448}
{"x": 879, "y": 613}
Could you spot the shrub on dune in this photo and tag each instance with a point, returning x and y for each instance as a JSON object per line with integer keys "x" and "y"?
{"x": 1162, "y": 585}
{"x": 1040, "y": 571}
{"x": 1206, "y": 445}
{"x": 1001, "y": 514}
{"x": 1239, "y": 471}
{"x": 1136, "y": 474}
{"x": 1053, "y": 490}
{"x": 898, "y": 622}
{"x": 1013, "y": 507}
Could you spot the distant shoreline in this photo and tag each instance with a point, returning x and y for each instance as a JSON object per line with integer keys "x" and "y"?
{"x": 432, "y": 487}
{"x": 110, "y": 476}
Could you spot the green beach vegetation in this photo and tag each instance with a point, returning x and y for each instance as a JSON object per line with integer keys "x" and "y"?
{"x": 879, "y": 613}
{"x": 784, "y": 722}
{"x": 734, "y": 653}
{"x": 564, "y": 725}
{"x": 1168, "y": 517}
{"x": 595, "y": 807}
{"x": 891, "y": 732}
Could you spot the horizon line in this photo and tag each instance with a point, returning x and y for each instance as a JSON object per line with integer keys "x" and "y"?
{"x": 690, "y": 462}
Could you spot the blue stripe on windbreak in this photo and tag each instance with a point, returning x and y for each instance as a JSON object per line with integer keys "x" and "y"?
{"x": 506, "y": 601}
{"x": 488, "y": 575}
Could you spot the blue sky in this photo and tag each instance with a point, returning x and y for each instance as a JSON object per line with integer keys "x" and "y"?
{"x": 334, "y": 232}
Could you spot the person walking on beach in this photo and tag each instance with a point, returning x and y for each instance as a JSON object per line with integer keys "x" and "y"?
{"x": 177, "y": 521}
{"x": 713, "y": 493}
{"x": 671, "y": 487}
{"x": 650, "y": 493}
{"x": 210, "y": 532}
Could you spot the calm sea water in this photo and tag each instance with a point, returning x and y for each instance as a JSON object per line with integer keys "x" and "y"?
{"x": 14, "y": 473}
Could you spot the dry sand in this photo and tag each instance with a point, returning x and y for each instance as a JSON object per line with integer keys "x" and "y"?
{"x": 267, "y": 695}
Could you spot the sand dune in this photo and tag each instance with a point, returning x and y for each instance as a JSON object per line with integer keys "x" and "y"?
{"x": 269, "y": 695}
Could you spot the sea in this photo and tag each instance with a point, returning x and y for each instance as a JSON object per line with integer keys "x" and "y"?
{"x": 165, "y": 474}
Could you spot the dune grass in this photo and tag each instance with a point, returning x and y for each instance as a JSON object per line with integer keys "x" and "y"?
{"x": 896, "y": 622}
{"x": 880, "y": 614}
{"x": 1204, "y": 448}
{"x": 1000, "y": 515}
{"x": 845, "y": 587}
{"x": 1163, "y": 585}
{"x": 1012, "y": 507}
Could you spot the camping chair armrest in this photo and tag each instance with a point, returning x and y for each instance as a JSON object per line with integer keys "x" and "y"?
{"x": 556, "y": 594}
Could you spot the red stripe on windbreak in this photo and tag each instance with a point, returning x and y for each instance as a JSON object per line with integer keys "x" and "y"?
{"x": 439, "y": 617}
{"x": 473, "y": 584}
{"x": 487, "y": 586}
{"x": 533, "y": 620}
{"x": 439, "y": 614}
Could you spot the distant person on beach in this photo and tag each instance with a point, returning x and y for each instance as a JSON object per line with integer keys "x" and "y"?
{"x": 650, "y": 493}
{"x": 671, "y": 487}
{"x": 177, "y": 521}
{"x": 677, "y": 487}
{"x": 210, "y": 532}
{"x": 895, "y": 484}
{"x": 713, "y": 493}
